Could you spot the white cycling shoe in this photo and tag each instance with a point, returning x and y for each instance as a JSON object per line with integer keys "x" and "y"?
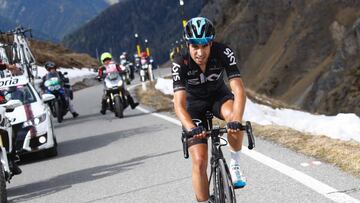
{"x": 238, "y": 179}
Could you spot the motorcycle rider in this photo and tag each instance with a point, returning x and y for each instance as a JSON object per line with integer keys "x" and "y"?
{"x": 106, "y": 59}
{"x": 127, "y": 64}
{"x": 51, "y": 68}
{"x": 12, "y": 156}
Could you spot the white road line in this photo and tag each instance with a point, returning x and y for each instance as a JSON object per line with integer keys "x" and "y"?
{"x": 301, "y": 177}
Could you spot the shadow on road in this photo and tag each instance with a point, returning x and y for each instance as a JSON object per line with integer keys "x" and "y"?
{"x": 91, "y": 117}
{"x": 142, "y": 188}
{"x": 84, "y": 144}
{"x": 46, "y": 187}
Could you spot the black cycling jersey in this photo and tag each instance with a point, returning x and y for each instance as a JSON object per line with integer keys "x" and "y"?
{"x": 188, "y": 76}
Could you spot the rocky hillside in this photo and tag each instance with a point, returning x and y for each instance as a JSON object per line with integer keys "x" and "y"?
{"x": 305, "y": 53}
{"x": 114, "y": 28}
{"x": 46, "y": 51}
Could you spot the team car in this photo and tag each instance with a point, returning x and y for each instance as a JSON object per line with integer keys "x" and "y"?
{"x": 31, "y": 122}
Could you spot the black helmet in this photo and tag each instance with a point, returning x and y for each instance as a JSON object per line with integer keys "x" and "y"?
{"x": 199, "y": 30}
{"x": 49, "y": 65}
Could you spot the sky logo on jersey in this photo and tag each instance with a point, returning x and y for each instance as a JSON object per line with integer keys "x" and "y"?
{"x": 230, "y": 55}
{"x": 175, "y": 72}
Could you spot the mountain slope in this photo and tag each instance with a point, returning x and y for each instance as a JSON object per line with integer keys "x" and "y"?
{"x": 305, "y": 53}
{"x": 114, "y": 28}
{"x": 54, "y": 18}
{"x": 6, "y": 24}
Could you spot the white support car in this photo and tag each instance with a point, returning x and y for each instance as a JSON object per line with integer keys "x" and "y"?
{"x": 32, "y": 122}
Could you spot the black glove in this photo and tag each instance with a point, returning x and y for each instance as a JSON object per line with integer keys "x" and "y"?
{"x": 234, "y": 125}
{"x": 195, "y": 131}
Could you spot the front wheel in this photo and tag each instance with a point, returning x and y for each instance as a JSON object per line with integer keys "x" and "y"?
{"x": 223, "y": 187}
{"x": 3, "y": 194}
{"x": 119, "y": 108}
{"x": 59, "y": 111}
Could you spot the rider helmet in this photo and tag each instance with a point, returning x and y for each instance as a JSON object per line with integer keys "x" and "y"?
{"x": 199, "y": 30}
{"x": 143, "y": 54}
{"x": 104, "y": 56}
{"x": 49, "y": 65}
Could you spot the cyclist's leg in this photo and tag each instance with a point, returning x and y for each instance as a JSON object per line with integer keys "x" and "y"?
{"x": 223, "y": 108}
{"x": 199, "y": 160}
{"x": 198, "y": 152}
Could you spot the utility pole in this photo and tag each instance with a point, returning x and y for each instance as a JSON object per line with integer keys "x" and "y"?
{"x": 147, "y": 47}
{"x": 137, "y": 41}
{"x": 181, "y": 2}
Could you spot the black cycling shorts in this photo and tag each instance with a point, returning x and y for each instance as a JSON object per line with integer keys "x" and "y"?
{"x": 197, "y": 109}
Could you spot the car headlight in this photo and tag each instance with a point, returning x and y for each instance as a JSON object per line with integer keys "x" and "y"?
{"x": 36, "y": 121}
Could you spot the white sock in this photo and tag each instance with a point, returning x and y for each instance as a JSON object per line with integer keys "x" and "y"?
{"x": 235, "y": 157}
{"x": 207, "y": 201}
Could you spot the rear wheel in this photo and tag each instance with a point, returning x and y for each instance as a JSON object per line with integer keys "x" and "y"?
{"x": 223, "y": 188}
{"x": 3, "y": 194}
{"x": 119, "y": 108}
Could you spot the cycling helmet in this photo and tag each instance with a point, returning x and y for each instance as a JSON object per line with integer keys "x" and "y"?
{"x": 199, "y": 30}
{"x": 122, "y": 57}
{"x": 105, "y": 55}
{"x": 49, "y": 65}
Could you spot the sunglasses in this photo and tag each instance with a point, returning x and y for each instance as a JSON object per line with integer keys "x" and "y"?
{"x": 201, "y": 41}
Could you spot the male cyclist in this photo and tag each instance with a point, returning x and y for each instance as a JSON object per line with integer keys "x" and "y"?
{"x": 106, "y": 59}
{"x": 199, "y": 87}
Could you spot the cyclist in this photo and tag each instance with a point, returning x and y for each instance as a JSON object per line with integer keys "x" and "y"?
{"x": 198, "y": 87}
{"x": 51, "y": 67}
{"x": 106, "y": 59}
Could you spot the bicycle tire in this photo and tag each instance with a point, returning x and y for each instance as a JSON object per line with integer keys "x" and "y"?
{"x": 224, "y": 190}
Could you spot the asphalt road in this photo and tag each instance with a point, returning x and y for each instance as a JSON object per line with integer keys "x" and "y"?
{"x": 139, "y": 159}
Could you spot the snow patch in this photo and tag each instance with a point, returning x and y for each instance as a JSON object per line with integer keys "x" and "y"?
{"x": 74, "y": 74}
{"x": 344, "y": 126}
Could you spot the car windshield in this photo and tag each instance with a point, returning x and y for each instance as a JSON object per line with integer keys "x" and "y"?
{"x": 20, "y": 92}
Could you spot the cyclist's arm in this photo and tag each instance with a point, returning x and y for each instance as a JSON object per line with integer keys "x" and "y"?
{"x": 236, "y": 84}
{"x": 180, "y": 109}
{"x": 238, "y": 89}
{"x": 178, "y": 73}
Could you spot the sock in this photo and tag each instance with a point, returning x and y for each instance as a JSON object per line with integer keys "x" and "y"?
{"x": 207, "y": 201}
{"x": 235, "y": 157}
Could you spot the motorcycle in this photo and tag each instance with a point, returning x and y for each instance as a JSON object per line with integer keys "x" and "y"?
{"x": 146, "y": 70}
{"x": 58, "y": 107}
{"x": 6, "y": 146}
{"x": 115, "y": 91}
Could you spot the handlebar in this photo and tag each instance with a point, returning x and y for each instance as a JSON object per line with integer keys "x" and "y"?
{"x": 216, "y": 131}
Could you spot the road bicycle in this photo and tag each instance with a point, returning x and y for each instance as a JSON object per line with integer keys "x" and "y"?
{"x": 223, "y": 188}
